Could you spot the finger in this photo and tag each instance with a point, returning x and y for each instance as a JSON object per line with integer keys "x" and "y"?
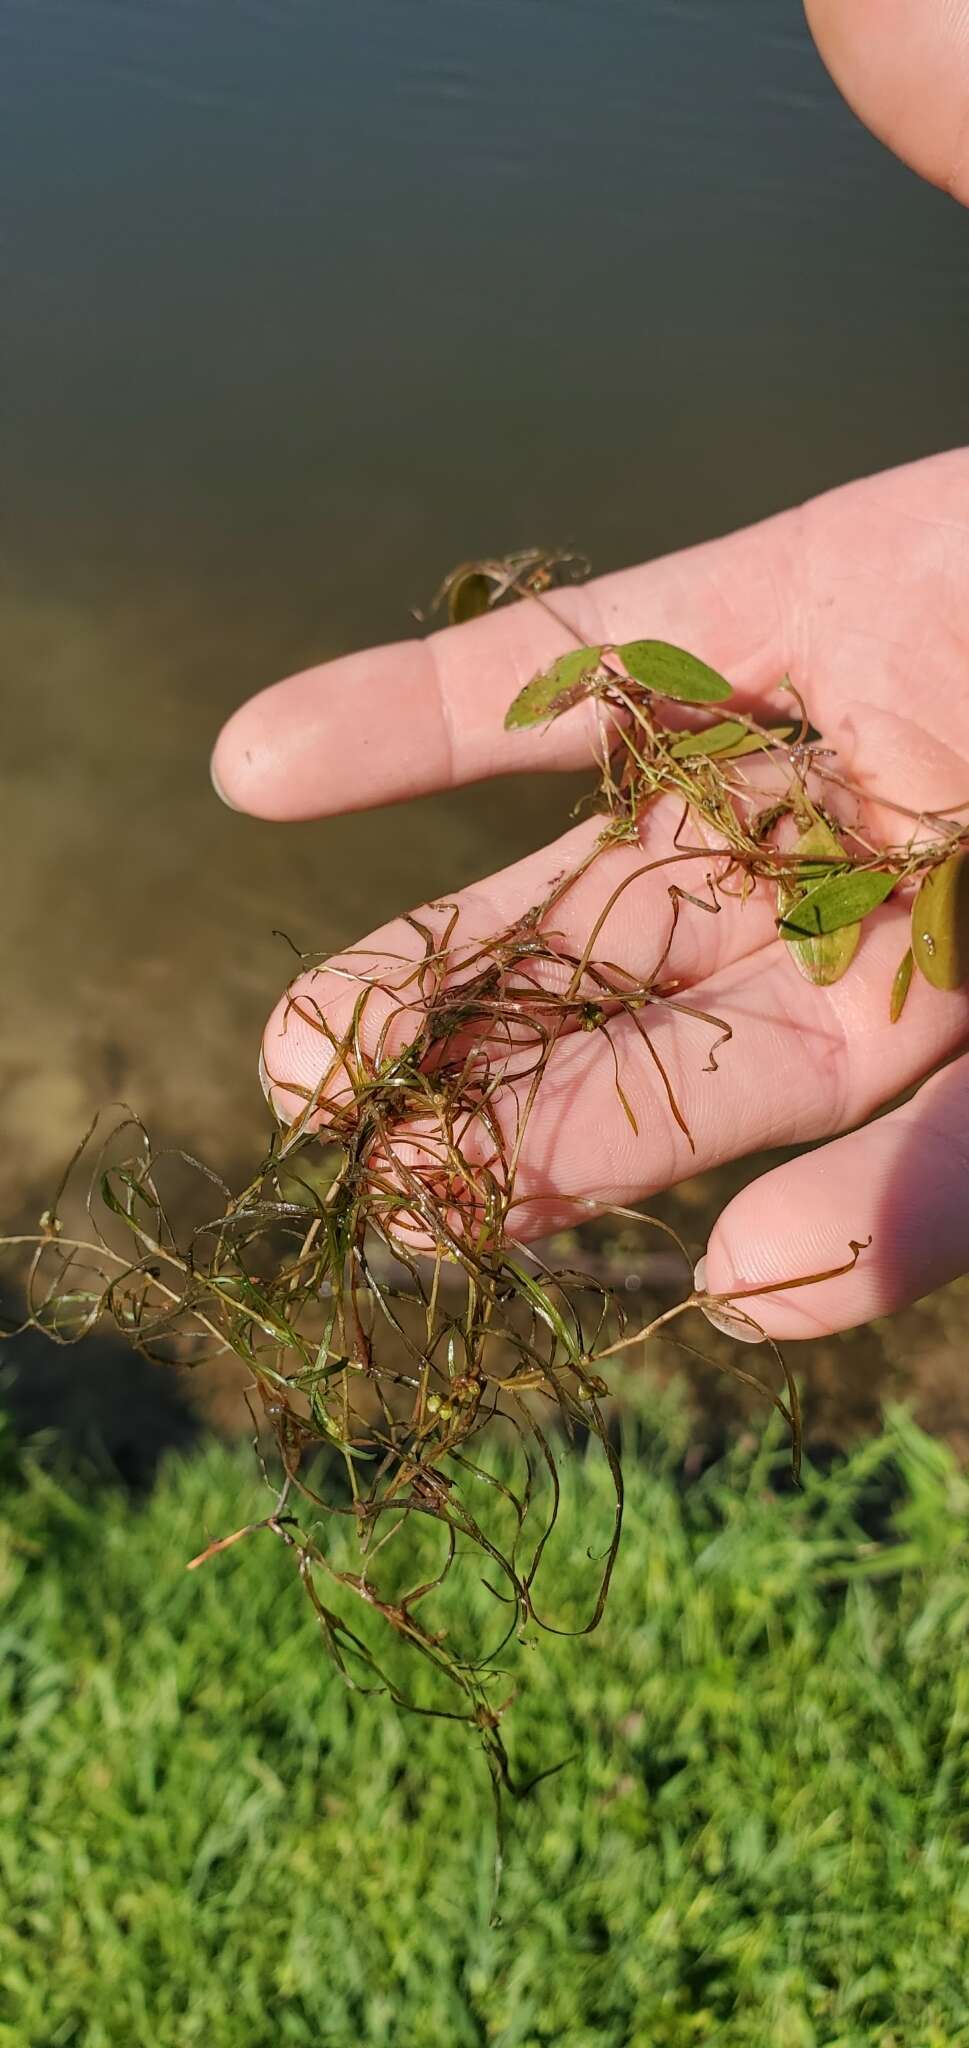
{"x": 835, "y": 593}
{"x": 903, "y": 1182}
{"x": 620, "y": 905}
{"x": 427, "y": 714}
{"x": 801, "y": 1063}
{"x": 903, "y": 65}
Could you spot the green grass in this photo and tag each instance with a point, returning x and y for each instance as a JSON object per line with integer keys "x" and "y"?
{"x": 762, "y": 1838}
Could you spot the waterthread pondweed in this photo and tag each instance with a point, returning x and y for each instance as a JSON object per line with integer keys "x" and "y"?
{"x": 374, "y": 1275}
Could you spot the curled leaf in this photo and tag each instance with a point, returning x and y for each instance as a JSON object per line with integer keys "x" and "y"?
{"x": 671, "y": 672}
{"x": 901, "y": 985}
{"x": 556, "y": 689}
{"x": 940, "y": 924}
{"x": 730, "y": 737}
{"x": 468, "y": 597}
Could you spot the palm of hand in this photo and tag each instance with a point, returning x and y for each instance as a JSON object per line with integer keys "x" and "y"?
{"x": 863, "y": 597}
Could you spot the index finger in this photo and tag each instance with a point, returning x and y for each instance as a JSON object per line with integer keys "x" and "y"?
{"x": 400, "y": 721}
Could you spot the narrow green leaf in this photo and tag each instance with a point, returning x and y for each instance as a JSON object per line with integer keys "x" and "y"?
{"x": 824, "y": 961}
{"x": 940, "y": 924}
{"x": 554, "y": 690}
{"x": 901, "y": 985}
{"x": 730, "y": 738}
{"x": 671, "y": 672}
{"x": 545, "y": 1307}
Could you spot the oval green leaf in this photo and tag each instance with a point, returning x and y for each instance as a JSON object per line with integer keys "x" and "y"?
{"x": 554, "y": 690}
{"x": 823, "y": 961}
{"x": 836, "y": 901}
{"x": 468, "y": 597}
{"x": 940, "y": 924}
{"x": 818, "y": 843}
{"x": 671, "y": 672}
{"x": 824, "y": 958}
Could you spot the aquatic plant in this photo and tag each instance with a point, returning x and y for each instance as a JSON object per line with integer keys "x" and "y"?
{"x": 374, "y": 1275}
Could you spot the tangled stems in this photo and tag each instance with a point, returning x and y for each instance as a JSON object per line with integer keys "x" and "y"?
{"x": 372, "y": 1276}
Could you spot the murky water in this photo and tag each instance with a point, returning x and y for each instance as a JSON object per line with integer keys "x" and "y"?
{"x": 302, "y": 302}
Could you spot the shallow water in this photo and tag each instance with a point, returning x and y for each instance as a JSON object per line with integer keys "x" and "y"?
{"x": 302, "y": 304}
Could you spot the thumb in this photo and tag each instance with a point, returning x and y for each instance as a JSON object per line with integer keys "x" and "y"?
{"x": 903, "y": 65}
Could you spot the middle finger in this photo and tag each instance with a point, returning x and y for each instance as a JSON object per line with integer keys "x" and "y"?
{"x": 621, "y": 903}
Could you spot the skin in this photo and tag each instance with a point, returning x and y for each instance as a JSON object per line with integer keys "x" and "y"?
{"x": 903, "y": 65}
{"x": 863, "y": 597}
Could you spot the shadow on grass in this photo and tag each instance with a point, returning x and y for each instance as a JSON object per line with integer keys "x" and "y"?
{"x": 103, "y": 1412}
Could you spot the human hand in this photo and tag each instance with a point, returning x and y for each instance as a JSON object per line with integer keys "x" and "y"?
{"x": 863, "y": 597}
{"x": 903, "y": 65}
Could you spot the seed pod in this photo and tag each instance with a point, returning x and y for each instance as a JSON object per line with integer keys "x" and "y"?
{"x": 940, "y": 924}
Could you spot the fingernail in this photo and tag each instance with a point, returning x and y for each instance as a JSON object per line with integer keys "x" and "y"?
{"x": 217, "y": 786}
{"x": 264, "y": 1081}
{"x": 721, "y": 1318}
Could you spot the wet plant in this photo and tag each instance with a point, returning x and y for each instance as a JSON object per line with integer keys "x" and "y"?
{"x": 374, "y": 1275}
